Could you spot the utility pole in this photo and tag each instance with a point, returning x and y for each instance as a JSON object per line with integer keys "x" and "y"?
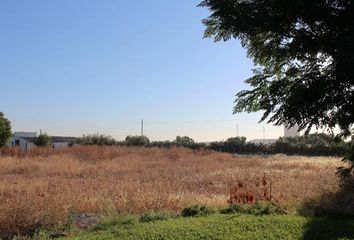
{"x": 142, "y": 127}
{"x": 237, "y": 130}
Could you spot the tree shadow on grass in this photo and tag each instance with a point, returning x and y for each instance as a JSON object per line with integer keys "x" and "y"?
{"x": 332, "y": 215}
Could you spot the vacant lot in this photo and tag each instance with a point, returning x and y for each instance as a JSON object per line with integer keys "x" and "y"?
{"x": 43, "y": 187}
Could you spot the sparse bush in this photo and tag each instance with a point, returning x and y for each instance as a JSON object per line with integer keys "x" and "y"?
{"x": 197, "y": 211}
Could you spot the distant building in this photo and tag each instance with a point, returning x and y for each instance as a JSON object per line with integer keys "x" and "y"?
{"x": 292, "y": 132}
{"x": 25, "y": 141}
{"x": 62, "y": 142}
{"x": 288, "y": 132}
{"x": 263, "y": 141}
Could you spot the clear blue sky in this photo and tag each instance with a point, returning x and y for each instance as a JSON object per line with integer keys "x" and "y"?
{"x": 75, "y": 67}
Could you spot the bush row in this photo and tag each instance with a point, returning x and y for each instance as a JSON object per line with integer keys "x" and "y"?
{"x": 318, "y": 144}
{"x": 309, "y": 145}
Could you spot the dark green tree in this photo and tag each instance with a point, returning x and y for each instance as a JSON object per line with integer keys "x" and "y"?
{"x": 96, "y": 139}
{"x": 137, "y": 141}
{"x": 43, "y": 140}
{"x": 303, "y": 51}
{"x": 184, "y": 141}
{"x": 5, "y": 130}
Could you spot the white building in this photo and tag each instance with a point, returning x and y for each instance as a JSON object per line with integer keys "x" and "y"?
{"x": 25, "y": 141}
{"x": 62, "y": 142}
{"x": 263, "y": 141}
{"x": 288, "y": 132}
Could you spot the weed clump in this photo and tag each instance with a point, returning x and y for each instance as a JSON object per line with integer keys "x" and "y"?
{"x": 153, "y": 216}
{"x": 197, "y": 211}
{"x": 122, "y": 221}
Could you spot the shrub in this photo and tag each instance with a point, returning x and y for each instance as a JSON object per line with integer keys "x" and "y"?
{"x": 161, "y": 144}
{"x": 231, "y": 145}
{"x": 197, "y": 210}
{"x": 43, "y": 140}
{"x": 187, "y": 142}
{"x": 153, "y": 216}
{"x": 137, "y": 141}
{"x": 259, "y": 208}
{"x": 96, "y": 139}
{"x": 265, "y": 208}
{"x": 318, "y": 144}
{"x": 184, "y": 141}
{"x": 232, "y": 209}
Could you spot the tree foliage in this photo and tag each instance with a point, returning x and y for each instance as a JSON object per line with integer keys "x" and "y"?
{"x": 137, "y": 141}
{"x": 188, "y": 142}
{"x": 184, "y": 141}
{"x": 96, "y": 139}
{"x": 304, "y": 56}
{"x": 317, "y": 144}
{"x": 231, "y": 145}
{"x": 5, "y": 130}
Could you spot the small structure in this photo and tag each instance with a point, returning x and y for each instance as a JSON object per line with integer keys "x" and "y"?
{"x": 288, "y": 132}
{"x": 263, "y": 141}
{"x": 25, "y": 141}
{"x": 62, "y": 142}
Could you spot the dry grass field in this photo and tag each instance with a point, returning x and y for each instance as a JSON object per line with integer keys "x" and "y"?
{"x": 43, "y": 187}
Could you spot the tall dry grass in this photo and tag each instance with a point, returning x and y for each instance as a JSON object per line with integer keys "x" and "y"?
{"x": 43, "y": 187}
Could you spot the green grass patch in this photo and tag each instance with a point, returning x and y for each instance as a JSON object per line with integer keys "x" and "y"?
{"x": 156, "y": 216}
{"x": 224, "y": 226}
